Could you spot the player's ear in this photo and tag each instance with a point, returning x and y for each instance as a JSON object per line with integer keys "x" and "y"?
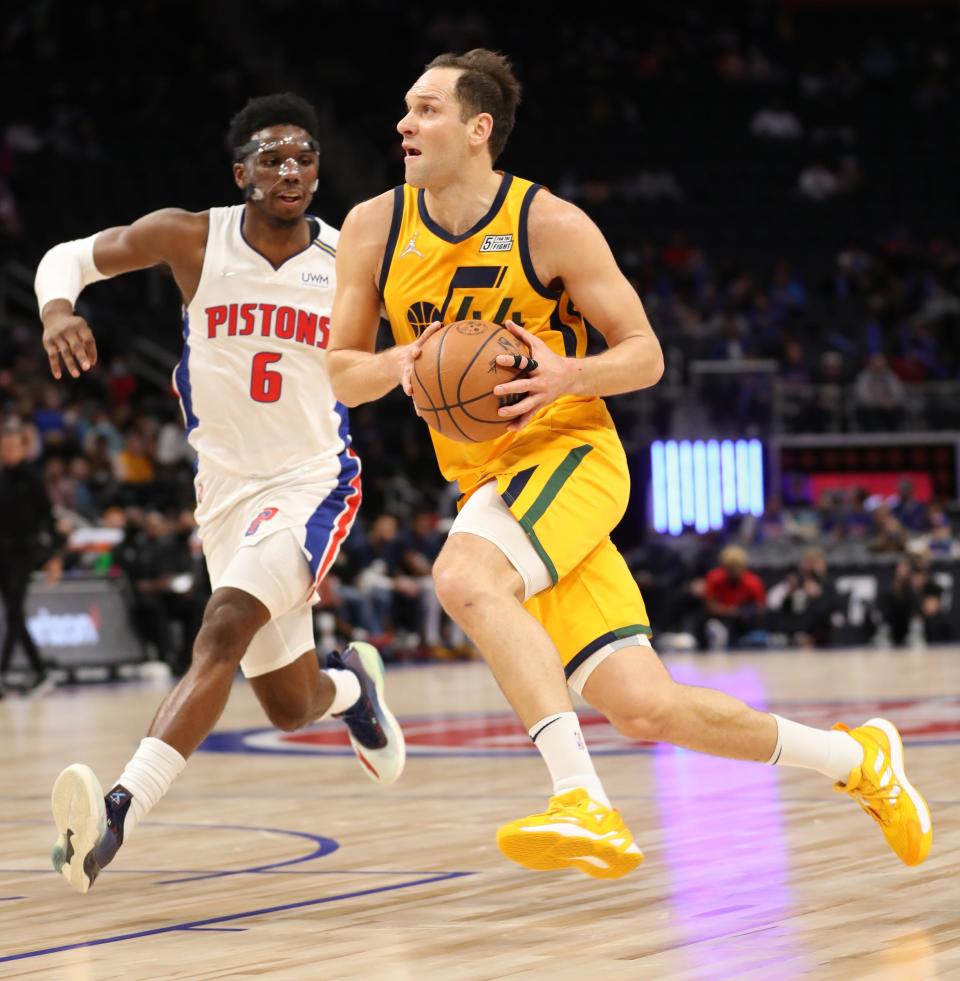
{"x": 240, "y": 175}
{"x": 481, "y": 128}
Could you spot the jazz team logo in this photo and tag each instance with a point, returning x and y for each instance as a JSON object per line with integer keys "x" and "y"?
{"x": 921, "y": 721}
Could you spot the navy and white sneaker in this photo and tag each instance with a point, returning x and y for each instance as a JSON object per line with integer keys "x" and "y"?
{"x": 90, "y": 825}
{"x": 375, "y": 734}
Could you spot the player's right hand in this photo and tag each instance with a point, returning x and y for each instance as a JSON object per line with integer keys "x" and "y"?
{"x": 68, "y": 337}
{"x": 408, "y": 353}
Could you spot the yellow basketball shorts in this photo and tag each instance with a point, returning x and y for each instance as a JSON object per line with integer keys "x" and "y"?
{"x": 568, "y": 503}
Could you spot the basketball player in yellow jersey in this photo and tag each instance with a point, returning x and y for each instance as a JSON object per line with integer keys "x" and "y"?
{"x": 528, "y": 570}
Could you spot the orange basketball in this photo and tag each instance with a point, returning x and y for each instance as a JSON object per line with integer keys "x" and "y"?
{"x": 454, "y": 377}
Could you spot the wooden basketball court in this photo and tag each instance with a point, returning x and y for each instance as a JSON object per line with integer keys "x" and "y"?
{"x": 276, "y": 857}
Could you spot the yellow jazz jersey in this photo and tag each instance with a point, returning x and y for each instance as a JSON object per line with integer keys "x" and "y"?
{"x": 485, "y": 274}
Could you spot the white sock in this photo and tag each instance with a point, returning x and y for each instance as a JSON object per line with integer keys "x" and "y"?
{"x": 346, "y": 687}
{"x": 562, "y": 746}
{"x": 832, "y": 752}
{"x": 148, "y": 775}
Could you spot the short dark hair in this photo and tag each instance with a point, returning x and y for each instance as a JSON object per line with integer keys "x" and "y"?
{"x": 486, "y": 84}
{"x": 279, "y": 109}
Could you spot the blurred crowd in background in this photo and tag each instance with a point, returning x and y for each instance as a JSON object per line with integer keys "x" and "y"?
{"x": 787, "y": 210}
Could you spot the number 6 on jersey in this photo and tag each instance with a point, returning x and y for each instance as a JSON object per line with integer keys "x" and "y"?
{"x": 265, "y": 385}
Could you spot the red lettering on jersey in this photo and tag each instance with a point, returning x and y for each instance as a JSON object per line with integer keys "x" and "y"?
{"x": 215, "y": 317}
{"x": 286, "y": 321}
{"x": 246, "y": 313}
{"x": 267, "y": 323}
{"x": 306, "y": 327}
{"x": 324, "y": 327}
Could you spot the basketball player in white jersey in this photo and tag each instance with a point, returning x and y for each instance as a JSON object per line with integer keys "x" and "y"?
{"x": 277, "y": 484}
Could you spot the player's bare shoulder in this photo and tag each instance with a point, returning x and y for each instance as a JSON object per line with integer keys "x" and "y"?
{"x": 363, "y": 237}
{"x": 551, "y": 217}
{"x": 368, "y": 223}
{"x": 176, "y": 228}
{"x": 558, "y": 233}
{"x": 170, "y": 237}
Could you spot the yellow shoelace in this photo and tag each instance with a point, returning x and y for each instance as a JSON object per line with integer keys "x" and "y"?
{"x": 878, "y": 804}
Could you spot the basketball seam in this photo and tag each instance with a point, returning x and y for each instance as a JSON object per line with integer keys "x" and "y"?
{"x": 466, "y": 371}
{"x": 443, "y": 398}
{"x": 433, "y": 408}
{"x": 446, "y": 406}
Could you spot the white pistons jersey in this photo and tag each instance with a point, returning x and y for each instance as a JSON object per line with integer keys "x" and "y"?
{"x": 252, "y": 380}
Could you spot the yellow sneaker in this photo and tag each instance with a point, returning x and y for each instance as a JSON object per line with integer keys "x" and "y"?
{"x": 575, "y": 831}
{"x": 880, "y": 786}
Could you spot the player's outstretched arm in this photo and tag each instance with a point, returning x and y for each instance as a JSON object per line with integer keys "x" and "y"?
{"x": 566, "y": 245}
{"x": 168, "y": 236}
{"x": 357, "y": 373}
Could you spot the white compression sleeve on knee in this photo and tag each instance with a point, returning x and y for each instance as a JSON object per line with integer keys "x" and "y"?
{"x": 65, "y": 270}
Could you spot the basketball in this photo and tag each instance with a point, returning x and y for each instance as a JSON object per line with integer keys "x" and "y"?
{"x": 454, "y": 378}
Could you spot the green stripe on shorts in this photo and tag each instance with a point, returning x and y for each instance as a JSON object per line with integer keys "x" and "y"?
{"x": 543, "y": 500}
{"x": 556, "y": 480}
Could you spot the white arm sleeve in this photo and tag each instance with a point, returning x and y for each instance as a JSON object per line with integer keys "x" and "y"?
{"x": 65, "y": 270}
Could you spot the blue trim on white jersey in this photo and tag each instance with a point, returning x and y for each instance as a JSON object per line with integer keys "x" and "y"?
{"x": 331, "y": 522}
{"x": 326, "y": 525}
{"x": 344, "y": 429}
{"x": 182, "y": 380}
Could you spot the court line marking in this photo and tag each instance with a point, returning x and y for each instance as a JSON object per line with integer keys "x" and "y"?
{"x": 459, "y": 752}
{"x": 272, "y": 868}
{"x": 324, "y": 846}
{"x": 204, "y": 873}
{"x": 231, "y": 917}
{"x": 217, "y": 929}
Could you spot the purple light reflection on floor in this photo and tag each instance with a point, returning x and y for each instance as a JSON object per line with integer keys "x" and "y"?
{"x": 727, "y": 865}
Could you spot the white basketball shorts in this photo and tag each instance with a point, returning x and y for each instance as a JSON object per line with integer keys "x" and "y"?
{"x": 276, "y": 538}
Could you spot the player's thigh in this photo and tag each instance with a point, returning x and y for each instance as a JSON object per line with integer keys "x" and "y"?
{"x": 274, "y": 570}
{"x": 487, "y": 542}
{"x": 318, "y": 511}
{"x": 570, "y": 501}
{"x": 593, "y": 611}
{"x": 634, "y": 690}
{"x": 278, "y": 645}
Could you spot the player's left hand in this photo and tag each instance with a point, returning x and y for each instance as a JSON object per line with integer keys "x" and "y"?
{"x": 546, "y": 377}
{"x": 408, "y": 353}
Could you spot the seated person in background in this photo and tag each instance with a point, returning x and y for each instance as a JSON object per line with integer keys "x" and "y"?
{"x": 915, "y": 593}
{"x": 155, "y": 554}
{"x": 858, "y": 520}
{"x": 368, "y": 575}
{"x": 888, "y": 534}
{"x": 419, "y": 545}
{"x": 802, "y": 604}
{"x": 735, "y": 601}
{"x": 910, "y": 512}
{"x": 879, "y": 395}
{"x": 662, "y": 577}
{"x": 940, "y": 540}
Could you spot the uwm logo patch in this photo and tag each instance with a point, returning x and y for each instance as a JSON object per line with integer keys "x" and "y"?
{"x": 497, "y": 243}
{"x": 320, "y": 280}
